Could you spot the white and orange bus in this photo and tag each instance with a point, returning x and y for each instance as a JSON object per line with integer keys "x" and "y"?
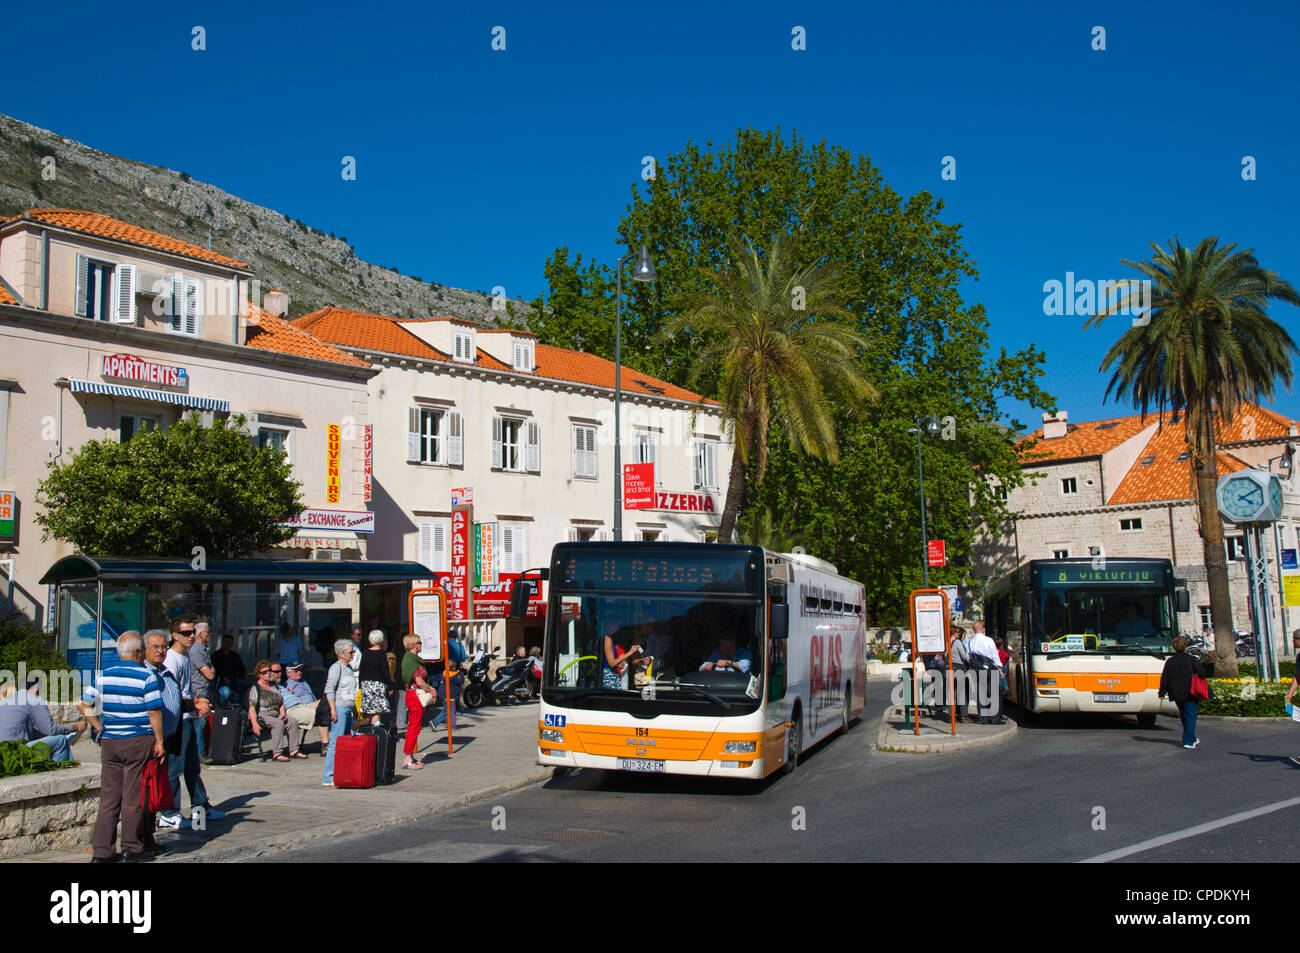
{"x": 1087, "y": 635}
{"x": 744, "y": 658}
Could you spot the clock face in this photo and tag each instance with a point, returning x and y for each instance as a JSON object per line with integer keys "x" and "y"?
{"x": 1242, "y": 498}
{"x": 1275, "y": 496}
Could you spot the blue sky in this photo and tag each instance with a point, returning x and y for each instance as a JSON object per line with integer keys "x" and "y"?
{"x": 474, "y": 165}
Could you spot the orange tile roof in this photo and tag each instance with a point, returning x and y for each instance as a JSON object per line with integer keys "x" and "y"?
{"x": 1089, "y": 439}
{"x": 5, "y": 296}
{"x": 92, "y": 223}
{"x": 382, "y": 333}
{"x": 1165, "y": 476}
{"x": 562, "y": 364}
{"x": 269, "y": 333}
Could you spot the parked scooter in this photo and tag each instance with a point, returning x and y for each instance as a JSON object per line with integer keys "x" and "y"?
{"x": 478, "y": 687}
{"x": 520, "y": 680}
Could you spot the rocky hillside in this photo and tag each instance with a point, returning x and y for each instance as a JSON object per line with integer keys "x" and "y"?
{"x": 314, "y": 267}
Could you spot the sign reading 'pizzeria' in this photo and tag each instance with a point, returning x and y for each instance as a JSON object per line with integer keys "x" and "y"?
{"x": 128, "y": 367}
{"x": 684, "y": 502}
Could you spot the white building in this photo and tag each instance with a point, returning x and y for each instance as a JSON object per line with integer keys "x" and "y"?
{"x": 527, "y": 429}
{"x": 1122, "y": 487}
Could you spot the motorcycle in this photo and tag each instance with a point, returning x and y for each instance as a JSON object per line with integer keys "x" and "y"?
{"x": 477, "y": 688}
{"x": 520, "y": 680}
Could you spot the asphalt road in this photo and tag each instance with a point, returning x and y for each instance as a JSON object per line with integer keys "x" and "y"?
{"x": 1062, "y": 790}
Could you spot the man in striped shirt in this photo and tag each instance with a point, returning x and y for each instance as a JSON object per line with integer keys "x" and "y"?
{"x": 130, "y": 707}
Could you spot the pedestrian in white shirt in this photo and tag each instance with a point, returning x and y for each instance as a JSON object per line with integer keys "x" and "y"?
{"x": 984, "y": 658}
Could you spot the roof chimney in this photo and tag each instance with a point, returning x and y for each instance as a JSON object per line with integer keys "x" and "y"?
{"x": 276, "y": 302}
{"x": 1054, "y": 426}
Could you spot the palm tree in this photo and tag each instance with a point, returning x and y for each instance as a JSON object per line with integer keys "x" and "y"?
{"x": 780, "y": 535}
{"x": 773, "y": 339}
{"x": 1207, "y": 347}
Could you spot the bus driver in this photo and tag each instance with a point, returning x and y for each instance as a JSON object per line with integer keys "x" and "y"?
{"x": 728, "y": 656}
{"x": 1133, "y": 626}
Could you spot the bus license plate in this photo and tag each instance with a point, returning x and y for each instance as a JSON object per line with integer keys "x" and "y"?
{"x": 641, "y": 764}
{"x": 1120, "y": 697}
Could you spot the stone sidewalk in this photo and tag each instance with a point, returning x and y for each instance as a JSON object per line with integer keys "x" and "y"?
{"x": 935, "y": 734}
{"x": 274, "y": 805}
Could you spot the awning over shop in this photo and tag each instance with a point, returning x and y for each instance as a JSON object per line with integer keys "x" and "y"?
{"x": 144, "y": 393}
{"x": 284, "y": 571}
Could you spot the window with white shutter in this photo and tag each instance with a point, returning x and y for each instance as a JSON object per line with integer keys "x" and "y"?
{"x": 498, "y": 443}
{"x": 533, "y": 449}
{"x": 455, "y": 439}
{"x": 83, "y": 277}
{"x": 193, "y": 306}
{"x": 705, "y": 465}
{"x": 584, "y": 453}
{"x": 176, "y": 306}
{"x": 413, "y": 434}
{"x": 463, "y": 346}
{"x": 124, "y": 297}
{"x": 514, "y": 547}
{"x": 433, "y": 545}
{"x": 523, "y": 356}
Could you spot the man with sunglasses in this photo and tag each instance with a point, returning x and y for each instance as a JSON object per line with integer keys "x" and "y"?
{"x": 185, "y": 762}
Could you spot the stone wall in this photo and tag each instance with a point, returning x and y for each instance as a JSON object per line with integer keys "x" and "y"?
{"x": 48, "y": 811}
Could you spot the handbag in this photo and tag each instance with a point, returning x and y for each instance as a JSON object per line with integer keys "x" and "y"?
{"x": 1200, "y": 689}
{"x": 156, "y": 788}
{"x": 426, "y": 697}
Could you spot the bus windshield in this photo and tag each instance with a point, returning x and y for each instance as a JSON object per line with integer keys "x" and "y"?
{"x": 683, "y": 647}
{"x": 1110, "y": 620}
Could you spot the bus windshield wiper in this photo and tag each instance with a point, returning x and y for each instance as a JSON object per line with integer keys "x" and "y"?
{"x": 1137, "y": 648}
{"x": 695, "y": 689}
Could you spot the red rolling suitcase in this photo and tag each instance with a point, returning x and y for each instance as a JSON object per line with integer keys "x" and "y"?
{"x": 354, "y": 761}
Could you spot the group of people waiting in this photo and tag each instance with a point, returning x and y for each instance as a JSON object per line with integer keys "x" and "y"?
{"x": 148, "y": 706}
{"x": 982, "y": 655}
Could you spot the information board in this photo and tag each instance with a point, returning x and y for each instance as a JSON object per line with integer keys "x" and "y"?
{"x": 429, "y": 621}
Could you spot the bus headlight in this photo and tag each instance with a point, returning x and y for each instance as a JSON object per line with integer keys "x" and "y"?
{"x": 557, "y": 737}
{"x": 739, "y": 747}
{"x": 1046, "y": 681}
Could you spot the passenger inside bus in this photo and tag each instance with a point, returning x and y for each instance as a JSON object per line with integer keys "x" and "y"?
{"x": 1133, "y": 626}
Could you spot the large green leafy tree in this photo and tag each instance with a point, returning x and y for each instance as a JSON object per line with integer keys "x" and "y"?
{"x": 774, "y": 341}
{"x": 928, "y": 352}
{"x": 164, "y": 492}
{"x": 1208, "y": 346}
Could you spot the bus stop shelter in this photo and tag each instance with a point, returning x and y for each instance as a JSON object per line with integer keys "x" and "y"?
{"x": 95, "y": 598}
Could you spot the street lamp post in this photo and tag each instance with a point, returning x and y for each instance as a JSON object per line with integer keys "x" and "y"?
{"x": 930, "y": 425}
{"x": 644, "y": 271}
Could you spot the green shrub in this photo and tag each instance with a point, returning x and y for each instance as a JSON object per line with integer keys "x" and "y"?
{"x": 1269, "y": 700}
{"x": 24, "y": 642}
{"x": 17, "y": 758}
{"x": 1285, "y": 667}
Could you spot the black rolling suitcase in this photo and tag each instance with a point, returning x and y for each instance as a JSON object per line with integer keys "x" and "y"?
{"x": 227, "y": 735}
{"x": 385, "y": 751}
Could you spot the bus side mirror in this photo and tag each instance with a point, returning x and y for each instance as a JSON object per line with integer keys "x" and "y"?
{"x": 519, "y": 593}
{"x": 780, "y": 624}
{"x": 1183, "y": 600}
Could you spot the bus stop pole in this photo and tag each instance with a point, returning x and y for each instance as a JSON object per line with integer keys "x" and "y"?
{"x": 916, "y": 708}
{"x": 99, "y": 626}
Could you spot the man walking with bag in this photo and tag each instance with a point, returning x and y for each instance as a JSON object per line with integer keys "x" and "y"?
{"x": 129, "y": 721}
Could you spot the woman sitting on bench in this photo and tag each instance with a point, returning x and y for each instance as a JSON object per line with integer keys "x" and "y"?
{"x": 266, "y": 709}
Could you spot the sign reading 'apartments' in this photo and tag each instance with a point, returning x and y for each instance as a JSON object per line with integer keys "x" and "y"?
{"x": 128, "y": 367}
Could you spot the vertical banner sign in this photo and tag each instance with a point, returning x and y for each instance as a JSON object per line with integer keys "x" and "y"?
{"x": 332, "y": 453}
{"x": 1290, "y": 578}
{"x": 7, "y": 514}
{"x": 638, "y": 486}
{"x": 935, "y": 552}
{"x": 368, "y": 461}
{"x": 485, "y": 554}
{"x": 460, "y": 527}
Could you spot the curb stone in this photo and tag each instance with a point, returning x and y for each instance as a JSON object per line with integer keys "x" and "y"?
{"x": 937, "y": 744}
{"x": 368, "y": 825}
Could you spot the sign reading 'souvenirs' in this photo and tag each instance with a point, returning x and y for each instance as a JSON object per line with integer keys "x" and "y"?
{"x": 128, "y": 367}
